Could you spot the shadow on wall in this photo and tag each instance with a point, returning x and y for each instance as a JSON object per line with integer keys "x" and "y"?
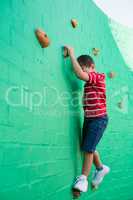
{"x": 75, "y": 88}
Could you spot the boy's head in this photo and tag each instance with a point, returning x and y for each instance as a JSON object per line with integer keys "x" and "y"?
{"x": 86, "y": 62}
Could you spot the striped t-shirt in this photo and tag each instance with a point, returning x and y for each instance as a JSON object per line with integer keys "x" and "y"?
{"x": 94, "y": 99}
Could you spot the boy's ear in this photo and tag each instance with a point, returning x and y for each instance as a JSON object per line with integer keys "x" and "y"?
{"x": 92, "y": 65}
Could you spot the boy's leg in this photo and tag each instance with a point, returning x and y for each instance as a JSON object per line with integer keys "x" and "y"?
{"x": 100, "y": 172}
{"x": 96, "y": 160}
{"x": 88, "y": 160}
{"x": 81, "y": 183}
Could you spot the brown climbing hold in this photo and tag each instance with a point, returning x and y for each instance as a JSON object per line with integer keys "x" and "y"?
{"x": 112, "y": 74}
{"x": 42, "y": 38}
{"x": 65, "y": 52}
{"x": 76, "y": 193}
{"x": 95, "y": 51}
{"x": 74, "y": 23}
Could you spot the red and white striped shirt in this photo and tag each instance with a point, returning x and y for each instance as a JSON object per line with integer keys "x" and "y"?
{"x": 94, "y": 99}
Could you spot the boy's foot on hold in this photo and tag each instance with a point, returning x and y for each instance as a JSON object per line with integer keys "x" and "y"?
{"x": 80, "y": 185}
{"x": 98, "y": 176}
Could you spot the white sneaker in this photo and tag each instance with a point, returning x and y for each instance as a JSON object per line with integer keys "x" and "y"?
{"x": 99, "y": 175}
{"x": 81, "y": 183}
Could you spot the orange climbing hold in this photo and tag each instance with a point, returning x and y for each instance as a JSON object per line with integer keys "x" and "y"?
{"x": 74, "y": 23}
{"x": 42, "y": 38}
{"x": 95, "y": 51}
{"x": 112, "y": 74}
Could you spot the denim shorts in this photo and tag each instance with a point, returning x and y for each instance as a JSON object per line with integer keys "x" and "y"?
{"x": 93, "y": 129}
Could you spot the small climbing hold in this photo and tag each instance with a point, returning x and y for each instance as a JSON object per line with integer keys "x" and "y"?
{"x": 94, "y": 188}
{"x": 76, "y": 193}
{"x": 42, "y": 38}
{"x": 65, "y": 52}
{"x": 112, "y": 74}
{"x": 95, "y": 51}
{"x": 120, "y": 104}
{"x": 74, "y": 23}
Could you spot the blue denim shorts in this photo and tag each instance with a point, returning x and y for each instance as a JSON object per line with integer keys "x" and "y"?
{"x": 93, "y": 129}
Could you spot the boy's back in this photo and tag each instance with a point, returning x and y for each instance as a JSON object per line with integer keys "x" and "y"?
{"x": 94, "y": 98}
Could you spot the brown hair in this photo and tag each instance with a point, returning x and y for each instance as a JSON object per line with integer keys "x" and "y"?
{"x": 85, "y": 60}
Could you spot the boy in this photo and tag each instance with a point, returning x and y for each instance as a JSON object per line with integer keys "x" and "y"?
{"x": 95, "y": 120}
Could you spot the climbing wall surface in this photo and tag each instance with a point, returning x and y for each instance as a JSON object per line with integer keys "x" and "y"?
{"x": 41, "y": 112}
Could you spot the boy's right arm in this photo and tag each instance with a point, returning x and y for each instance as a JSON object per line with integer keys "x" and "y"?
{"x": 76, "y": 67}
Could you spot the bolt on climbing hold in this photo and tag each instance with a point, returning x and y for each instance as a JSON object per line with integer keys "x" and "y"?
{"x": 112, "y": 74}
{"x": 42, "y": 38}
{"x": 74, "y": 23}
{"x": 65, "y": 52}
{"x": 120, "y": 104}
{"x": 95, "y": 51}
{"x": 76, "y": 193}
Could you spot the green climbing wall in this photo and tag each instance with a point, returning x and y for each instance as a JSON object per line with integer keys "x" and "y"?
{"x": 40, "y": 108}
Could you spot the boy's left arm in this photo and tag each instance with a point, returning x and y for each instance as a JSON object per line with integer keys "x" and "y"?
{"x": 76, "y": 67}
